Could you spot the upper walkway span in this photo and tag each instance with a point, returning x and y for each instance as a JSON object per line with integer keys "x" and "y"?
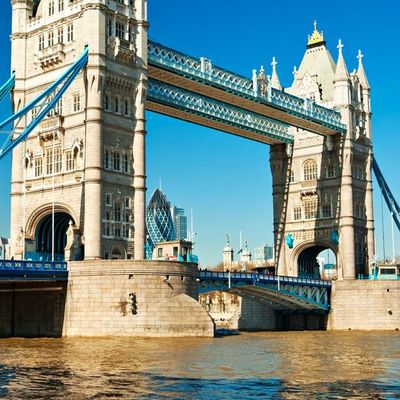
{"x": 200, "y": 77}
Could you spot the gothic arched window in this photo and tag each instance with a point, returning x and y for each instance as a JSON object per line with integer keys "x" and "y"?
{"x": 310, "y": 170}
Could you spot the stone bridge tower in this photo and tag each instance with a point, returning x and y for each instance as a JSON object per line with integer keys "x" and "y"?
{"x": 322, "y": 187}
{"x": 91, "y": 148}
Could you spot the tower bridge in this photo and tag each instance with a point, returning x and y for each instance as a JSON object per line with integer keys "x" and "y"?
{"x": 84, "y": 136}
{"x": 84, "y": 74}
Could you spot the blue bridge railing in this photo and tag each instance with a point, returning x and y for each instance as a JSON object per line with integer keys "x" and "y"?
{"x": 251, "y": 277}
{"x": 28, "y": 270}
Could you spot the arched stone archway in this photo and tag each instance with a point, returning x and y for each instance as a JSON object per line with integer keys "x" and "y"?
{"x": 311, "y": 262}
{"x": 66, "y": 237}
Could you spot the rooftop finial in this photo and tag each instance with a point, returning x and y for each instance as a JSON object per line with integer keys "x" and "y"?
{"x": 316, "y": 38}
{"x": 274, "y": 63}
{"x": 340, "y": 45}
{"x": 360, "y": 56}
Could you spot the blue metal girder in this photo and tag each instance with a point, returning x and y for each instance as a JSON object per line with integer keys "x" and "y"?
{"x": 203, "y": 106}
{"x": 391, "y": 202}
{"x": 46, "y": 101}
{"x": 283, "y": 291}
{"x": 22, "y": 270}
{"x": 7, "y": 87}
{"x": 203, "y": 71}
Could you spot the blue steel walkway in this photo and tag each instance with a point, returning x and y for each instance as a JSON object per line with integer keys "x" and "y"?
{"x": 279, "y": 292}
{"x": 173, "y": 75}
{"x": 16, "y": 270}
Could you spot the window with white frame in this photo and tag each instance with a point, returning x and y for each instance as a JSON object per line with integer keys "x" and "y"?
{"x": 110, "y": 27}
{"x": 59, "y": 107}
{"x": 60, "y": 5}
{"x": 107, "y": 229}
{"x": 51, "y": 7}
{"x": 126, "y": 107}
{"x": 291, "y": 176}
{"x": 41, "y": 42}
{"x": 53, "y": 162}
{"x": 116, "y": 161}
{"x": 107, "y": 102}
{"x": 117, "y": 230}
{"x": 70, "y": 33}
{"x": 117, "y": 211}
{"x": 126, "y": 163}
{"x": 50, "y": 38}
{"x": 326, "y": 210}
{"x": 310, "y": 170}
{"x": 116, "y": 104}
{"x": 297, "y": 215}
{"x": 106, "y": 159}
{"x": 120, "y": 30}
{"x": 60, "y": 35}
{"x": 70, "y": 163}
{"x": 38, "y": 163}
{"x": 330, "y": 171}
{"x": 76, "y": 101}
{"x": 311, "y": 209}
{"x": 125, "y": 231}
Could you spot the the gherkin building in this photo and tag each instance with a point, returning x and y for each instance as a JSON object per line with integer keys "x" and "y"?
{"x": 159, "y": 222}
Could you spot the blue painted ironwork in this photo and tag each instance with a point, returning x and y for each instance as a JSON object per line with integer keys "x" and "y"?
{"x": 203, "y": 71}
{"x": 45, "y": 102}
{"x": 391, "y": 202}
{"x": 33, "y": 270}
{"x": 216, "y": 110}
{"x": 7, "y": 87}
{"x": 280, "y": 291}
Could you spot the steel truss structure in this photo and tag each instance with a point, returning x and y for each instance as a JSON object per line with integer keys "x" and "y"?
{"x": 203, "y": 71}
{"x": 203, "y": 106}
{"x": 280, "y": 292}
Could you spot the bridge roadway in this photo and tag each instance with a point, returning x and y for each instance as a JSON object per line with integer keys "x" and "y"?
{"x": 178, "y": 75}
{"x": 280, "y": 292}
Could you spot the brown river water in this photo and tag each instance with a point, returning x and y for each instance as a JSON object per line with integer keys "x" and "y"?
{"x": 273, "y": 365}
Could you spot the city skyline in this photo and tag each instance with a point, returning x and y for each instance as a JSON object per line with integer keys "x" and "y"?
{"x": 225, "y": 179}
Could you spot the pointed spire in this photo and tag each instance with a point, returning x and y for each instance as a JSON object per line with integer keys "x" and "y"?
{"x": 275, "y": 83}
{"x": 341, "y": 73}
{"x": 361, "y": 72}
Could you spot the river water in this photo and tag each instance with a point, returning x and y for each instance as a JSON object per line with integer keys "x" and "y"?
{"x": 274, "y": 365}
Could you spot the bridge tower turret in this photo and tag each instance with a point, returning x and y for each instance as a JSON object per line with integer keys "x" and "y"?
{"x": 342, "y": 101}
{"x": 91, "y": 148}
{"x": 322, "y": 185}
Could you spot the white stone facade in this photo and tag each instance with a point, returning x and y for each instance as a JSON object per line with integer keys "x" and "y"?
{"x": 97, "y": 130}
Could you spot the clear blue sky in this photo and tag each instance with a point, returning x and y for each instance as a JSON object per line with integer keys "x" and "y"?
{"x": 225, "y": 179}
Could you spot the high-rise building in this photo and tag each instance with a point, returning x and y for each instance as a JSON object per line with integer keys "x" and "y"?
{"x": 263, "y": 253}
{"x": 159, "y": 222}
{"x": 180, "y": 222}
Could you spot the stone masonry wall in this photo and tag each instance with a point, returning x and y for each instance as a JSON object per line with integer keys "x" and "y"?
{"x": 365, "y": 305}
{"x": 134, "y": 298}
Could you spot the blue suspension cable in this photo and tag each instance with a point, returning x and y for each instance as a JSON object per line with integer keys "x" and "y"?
{"x": 7, "y": 87}
{"x": 392, "y": 204}
{"x": 65, "y": 80}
